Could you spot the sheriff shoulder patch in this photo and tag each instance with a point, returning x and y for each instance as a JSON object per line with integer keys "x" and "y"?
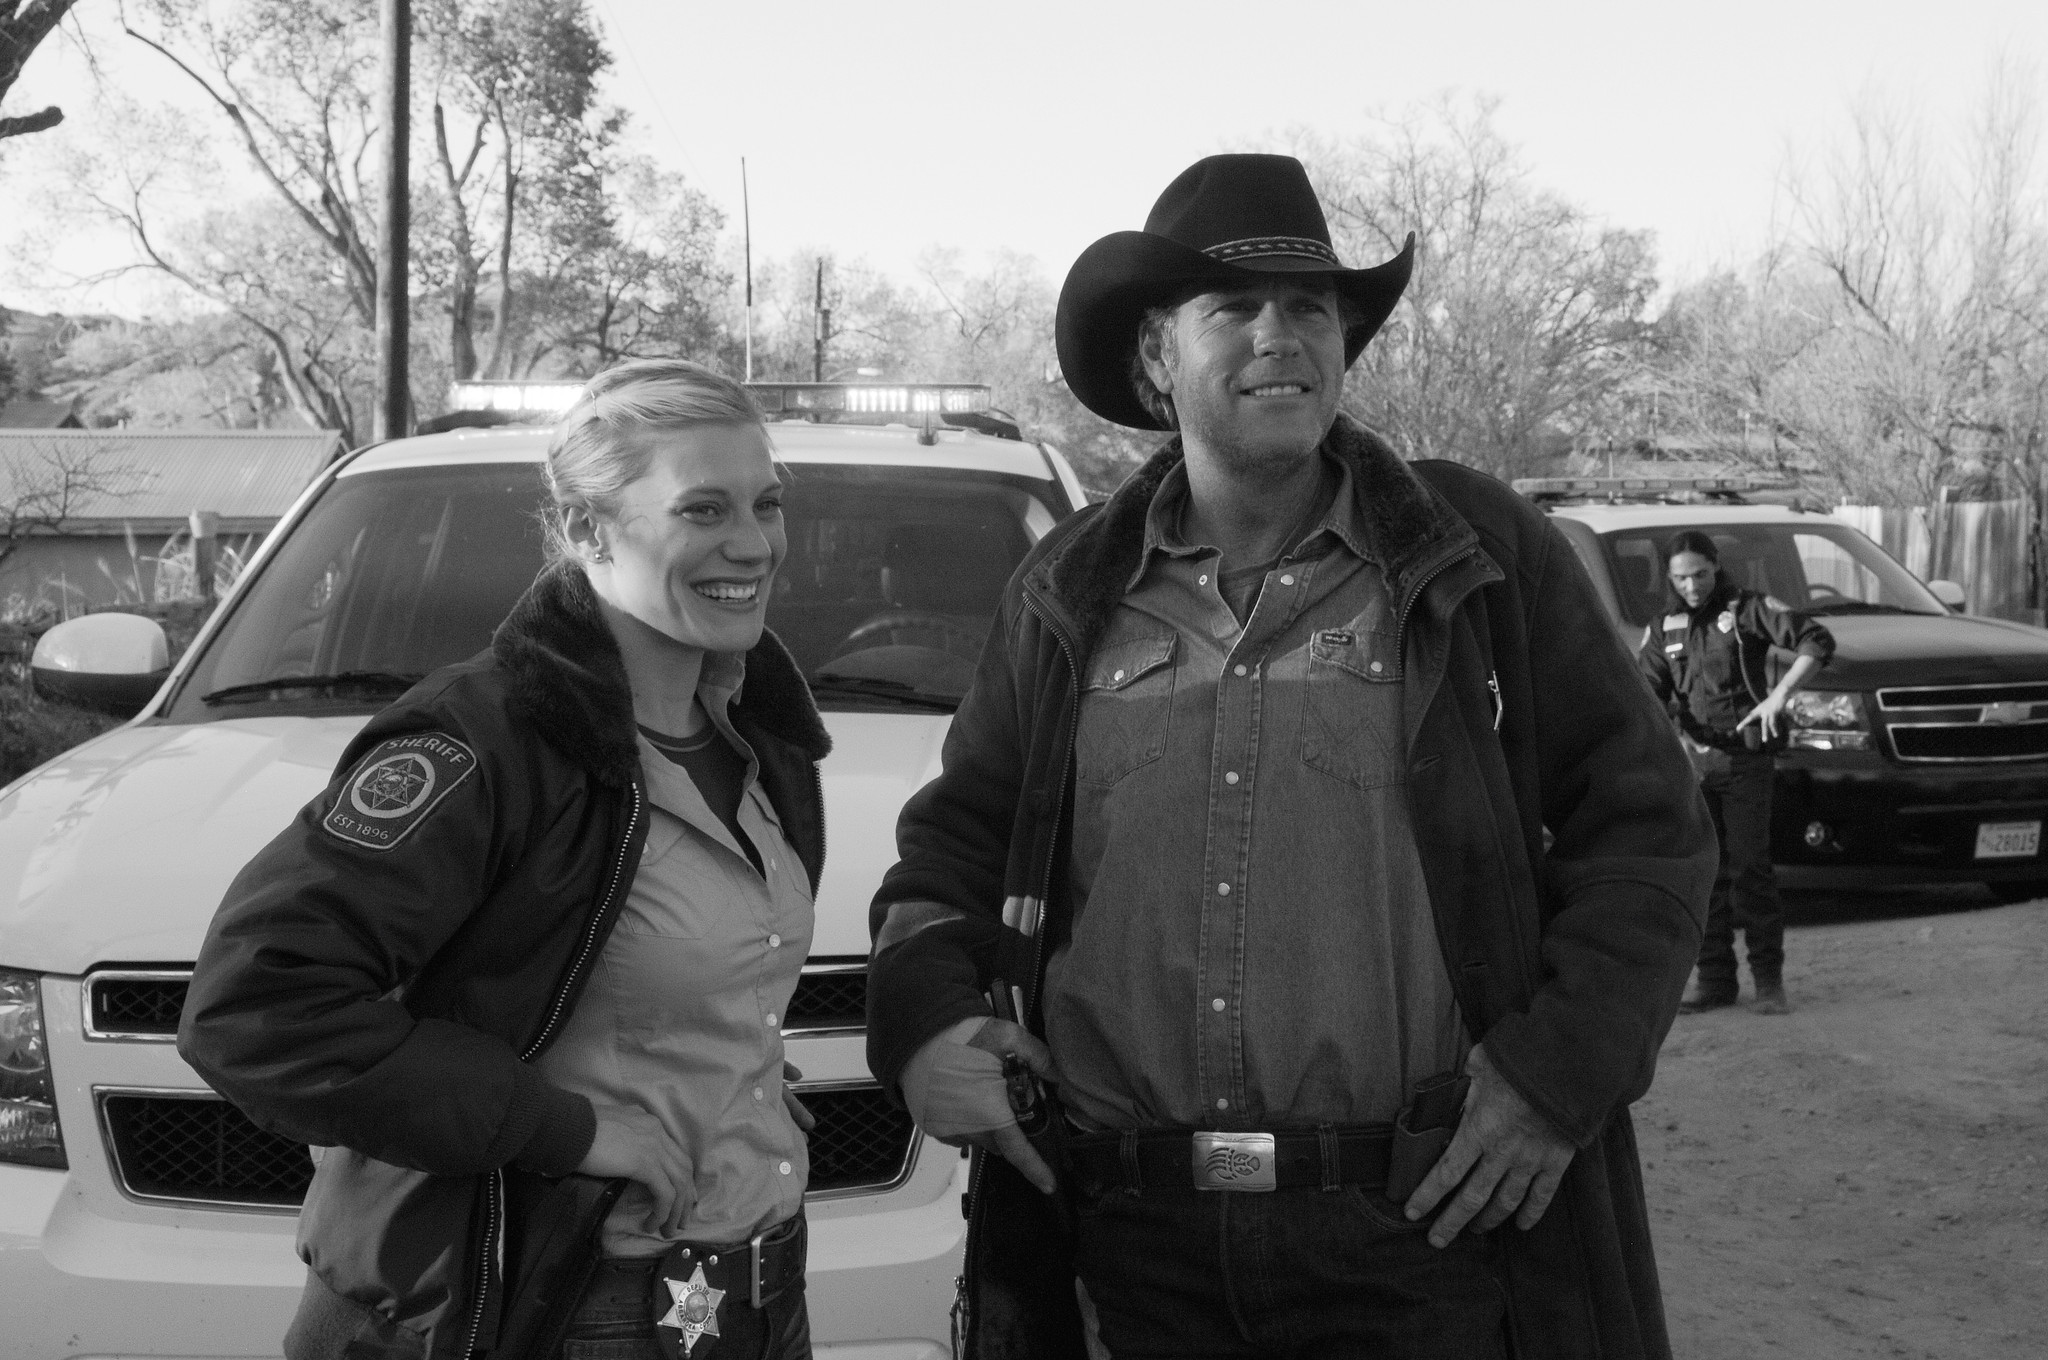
{"x": 396, "y": 787}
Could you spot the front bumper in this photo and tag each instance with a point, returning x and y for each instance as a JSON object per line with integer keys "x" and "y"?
{"x": 1887, "y": 822}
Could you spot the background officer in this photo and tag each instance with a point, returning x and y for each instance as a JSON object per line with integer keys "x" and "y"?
{"x": 1711, "y": 652}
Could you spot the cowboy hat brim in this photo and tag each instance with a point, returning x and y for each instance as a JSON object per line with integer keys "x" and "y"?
{"x": 1116, "y": 279}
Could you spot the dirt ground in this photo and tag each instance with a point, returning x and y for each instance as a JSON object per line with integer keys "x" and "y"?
{"x": 1867, "y": 1176}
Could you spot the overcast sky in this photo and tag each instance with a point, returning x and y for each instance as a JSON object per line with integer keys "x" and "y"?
{"x": 883, "y": 128}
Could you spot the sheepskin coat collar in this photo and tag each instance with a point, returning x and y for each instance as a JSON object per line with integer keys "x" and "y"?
{"x": 1409, "y": 527}
{"x": 569, "y": 678}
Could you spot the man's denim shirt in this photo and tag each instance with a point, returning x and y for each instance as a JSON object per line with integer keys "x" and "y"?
{"x": 1253, "y": 944}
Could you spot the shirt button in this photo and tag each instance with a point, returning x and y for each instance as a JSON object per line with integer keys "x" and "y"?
{"x": 774, "y": 941}
{"x": 1222, "y": 1104}
{"x": 771, "y": 1019}
{"x": 1202, "y": 580}
{"x": 1230, "y": 777}
{"x": 758, "y": 1094}
{"x": 1376, "y": 668}
{"x": 1287, "y": 580}
{"x": 1118, "y": 676}
{"x": 1223, "y": 890}
{"x": 1240, "y": 670}
{"x": 783, "y": 1168}
{"x": 1217, "y": 1004}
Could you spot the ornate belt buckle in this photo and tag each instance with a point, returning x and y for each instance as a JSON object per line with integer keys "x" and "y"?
{"x": 1234, "y": 1161}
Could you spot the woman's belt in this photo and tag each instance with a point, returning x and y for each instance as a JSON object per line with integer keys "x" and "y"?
{"x": 1184, "y": 1159}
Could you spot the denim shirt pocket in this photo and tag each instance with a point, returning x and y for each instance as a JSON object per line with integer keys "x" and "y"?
{"x": 1351, "y": 718}
{"x": 1126, "y": 697}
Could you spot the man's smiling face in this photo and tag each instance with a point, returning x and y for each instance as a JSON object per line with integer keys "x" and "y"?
{"x": 1254, "y": 370}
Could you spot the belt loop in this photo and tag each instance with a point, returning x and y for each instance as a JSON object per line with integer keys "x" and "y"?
{"x": 1326, "y": 1141}
{"x": 1127, "y": 1153}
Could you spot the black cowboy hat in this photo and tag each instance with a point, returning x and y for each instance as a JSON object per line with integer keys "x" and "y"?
{"x": 1224, "y": 218}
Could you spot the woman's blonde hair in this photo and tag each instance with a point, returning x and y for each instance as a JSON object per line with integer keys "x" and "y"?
{"x": 595, "y": 453}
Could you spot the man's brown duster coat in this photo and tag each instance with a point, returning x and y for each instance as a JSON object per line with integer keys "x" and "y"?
{"x": 1567, "y": 852}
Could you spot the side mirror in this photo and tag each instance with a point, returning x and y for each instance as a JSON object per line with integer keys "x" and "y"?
{"x": 111, "y": 662}
{"x": 1950, "y": 594}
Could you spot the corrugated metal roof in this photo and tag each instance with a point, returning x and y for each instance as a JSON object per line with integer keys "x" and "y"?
{"x": 167, "y": 474}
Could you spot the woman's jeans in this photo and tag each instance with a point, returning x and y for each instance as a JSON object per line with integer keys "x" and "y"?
{"x": 615, "y": 1321}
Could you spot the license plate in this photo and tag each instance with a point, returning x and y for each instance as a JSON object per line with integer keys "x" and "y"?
{"x": 2008, "y": 840}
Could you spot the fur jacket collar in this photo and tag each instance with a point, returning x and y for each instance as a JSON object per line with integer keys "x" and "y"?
{"x": 569, "y": 678}
{"x": 1408, "y": 525}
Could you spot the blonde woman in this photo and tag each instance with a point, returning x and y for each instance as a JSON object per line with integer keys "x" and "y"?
{"x": 544, "y": 921}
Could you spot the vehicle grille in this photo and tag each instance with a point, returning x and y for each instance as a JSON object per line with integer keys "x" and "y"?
{"x": 136, "y": 1003}
{"x": 2007, "y": 722}
{"x": 829, "y": 996}
{"x": 200, "y": 1148}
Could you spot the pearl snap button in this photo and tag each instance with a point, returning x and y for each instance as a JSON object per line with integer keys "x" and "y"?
{"x": 775, "y": 942}
{"x": 1222, "y": 1104}
{"x": 759, "y": 1094}
{"x": 1118, "y": 676}
{"x": 1217, "y": 1004}
{"x": 1240, "y": 670}
{"x": 771, "y": 1018}
{"x": 1230, "y": 777}
{"x": 783, "y": 1168}
{"x": 1376, "y": 668}
{"x": 1202, "y": 580}
{"x": 1287, "y": 580}
{"x": 1223, "y": 890}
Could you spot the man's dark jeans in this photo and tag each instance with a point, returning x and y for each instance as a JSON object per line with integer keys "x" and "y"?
{"x": 1745, "y": 888}
{"x": 1303, "y": 1273}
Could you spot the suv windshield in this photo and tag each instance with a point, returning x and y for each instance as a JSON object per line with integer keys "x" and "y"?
{"x": 1814, "y": 566}
{"x": 892, "y": 578}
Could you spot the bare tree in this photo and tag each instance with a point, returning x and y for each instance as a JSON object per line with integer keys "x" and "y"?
{"x": 1524, "y": 313}
{"x": 23, "y": 26}
{"x": 43, "y": 489}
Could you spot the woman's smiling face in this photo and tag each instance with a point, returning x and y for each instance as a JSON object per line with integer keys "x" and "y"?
{"x": 696, "y": 540}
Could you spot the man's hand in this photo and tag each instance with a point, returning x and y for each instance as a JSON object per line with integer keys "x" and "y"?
{"x": 632, "y": 1143}
{"x": 1508, "y": 1157}
{"x": 955, "y": 1090}
{"x": 1766, "y": 714}
{"x": 805, "y": 1120}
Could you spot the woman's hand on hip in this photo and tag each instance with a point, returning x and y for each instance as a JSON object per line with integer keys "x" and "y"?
{"x": 632, "y": 1143}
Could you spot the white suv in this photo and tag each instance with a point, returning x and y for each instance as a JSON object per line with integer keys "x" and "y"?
{"x": 141, "y": 1215}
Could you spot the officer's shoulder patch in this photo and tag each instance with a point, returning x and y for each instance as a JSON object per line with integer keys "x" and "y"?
{"x": 396, "y": 787}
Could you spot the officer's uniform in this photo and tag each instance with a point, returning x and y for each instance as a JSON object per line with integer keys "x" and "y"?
{"x": 1715, "y": 661}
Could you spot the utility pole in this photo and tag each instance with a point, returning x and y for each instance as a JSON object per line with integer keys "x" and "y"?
{"x": 747, "y": 236}
{"x": 823, "y": 319}
{"x": 394, "y": 398}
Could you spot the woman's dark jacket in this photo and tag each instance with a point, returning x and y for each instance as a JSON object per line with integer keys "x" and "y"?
{"x": 1568, "y": 961}
{"x": 386, "y": 1004}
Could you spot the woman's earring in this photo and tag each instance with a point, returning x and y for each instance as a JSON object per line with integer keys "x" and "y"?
{"x": 600, "y": 556}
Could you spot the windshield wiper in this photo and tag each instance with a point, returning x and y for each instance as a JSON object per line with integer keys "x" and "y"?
{"x": 889, "y": 691}
{"x": 374, "y": 682}
{"x": 1858, "y": 607}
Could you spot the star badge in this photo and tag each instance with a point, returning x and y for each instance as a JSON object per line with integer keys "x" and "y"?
{"x": 695, "y": 1312}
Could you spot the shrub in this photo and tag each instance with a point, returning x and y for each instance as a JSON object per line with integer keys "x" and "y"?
{"x": 32, "y": 730}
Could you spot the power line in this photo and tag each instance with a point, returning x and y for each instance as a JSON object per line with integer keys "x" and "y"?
{"x": 647, "y": 87}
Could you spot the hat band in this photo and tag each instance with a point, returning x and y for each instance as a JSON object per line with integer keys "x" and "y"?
{"x": 1255, "y": 247}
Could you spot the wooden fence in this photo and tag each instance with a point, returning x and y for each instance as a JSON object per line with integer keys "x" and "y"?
{"x": 1989, "y": 548}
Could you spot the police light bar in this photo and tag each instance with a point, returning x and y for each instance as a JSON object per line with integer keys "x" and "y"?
{"x": 1615, "y": 486}
{"x": 497, "y": 394}
{"x": 920, "y": 399}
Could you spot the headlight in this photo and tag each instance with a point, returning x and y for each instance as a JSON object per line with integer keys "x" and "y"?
{"x": 1827, "y": 708}
{"x": 28, "y": 1103}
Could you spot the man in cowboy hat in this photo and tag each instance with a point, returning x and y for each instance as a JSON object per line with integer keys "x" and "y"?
{"x": 1318, "y": 831}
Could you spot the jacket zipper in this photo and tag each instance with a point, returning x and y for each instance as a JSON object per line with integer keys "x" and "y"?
{"x": 492, "y": 1219}
{"x": 818, "y": 792}
{"x": 1408, "y": 606}
{"x": 486, "y": 1248}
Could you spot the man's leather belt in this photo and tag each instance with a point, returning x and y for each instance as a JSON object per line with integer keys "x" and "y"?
{"x": 1180, "y": 1159}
